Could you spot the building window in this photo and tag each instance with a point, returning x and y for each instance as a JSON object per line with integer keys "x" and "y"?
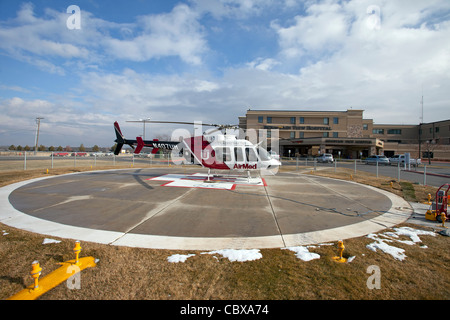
{"x": 335, "y": 134}
{"x": 336, "y": 120}
{"x": 292, "y": 134}
{"x": 301, "y": 135}
{"x": 326, "y": 120}
{"x": 260, "y": 119}
{"x": 437, "y": 129}
{"x": 394, "y": 131}
{"x": 292, "y": 120}
{"x": 365, "y": 126}
{"x": 378, "y": 131}
{"x": 269, "y": 133}
{"x": 301, "y": 120}
{"x": 269, "y": 119}
{"x": 326, "y": 134}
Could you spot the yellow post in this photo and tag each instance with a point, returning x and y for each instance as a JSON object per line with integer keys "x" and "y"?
{"x": 35, "y": 273}
{"x": 341, "y": 248}
{"x": 47, "y": 171}
{"x": 392, "y": 184}
{"x": 443, "y": 218}
{"x": 429, "y": 199}
{"x": 77, "y": 250}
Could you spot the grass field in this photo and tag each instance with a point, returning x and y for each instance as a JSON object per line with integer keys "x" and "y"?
{"x": 134, "y": 274}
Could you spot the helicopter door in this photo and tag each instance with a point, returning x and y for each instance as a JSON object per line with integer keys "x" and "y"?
{"x": 251, "y": 158}
{"x": 239, "y": 157}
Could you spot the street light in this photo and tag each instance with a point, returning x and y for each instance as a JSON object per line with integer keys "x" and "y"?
{"x": 143, "y": 122}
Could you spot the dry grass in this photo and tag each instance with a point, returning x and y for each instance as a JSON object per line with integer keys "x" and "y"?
{"x": 131, "y": 273}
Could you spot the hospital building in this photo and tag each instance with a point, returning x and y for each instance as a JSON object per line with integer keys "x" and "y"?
{"x": 347, "y": 134}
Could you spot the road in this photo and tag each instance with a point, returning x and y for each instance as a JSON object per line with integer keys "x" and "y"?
{"x": 437, "y": 173}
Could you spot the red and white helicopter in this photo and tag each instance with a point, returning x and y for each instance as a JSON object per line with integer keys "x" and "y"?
{"x": 217, "y": 152}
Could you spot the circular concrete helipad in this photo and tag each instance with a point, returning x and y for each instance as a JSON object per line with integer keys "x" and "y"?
{"x": 174, "y": 208}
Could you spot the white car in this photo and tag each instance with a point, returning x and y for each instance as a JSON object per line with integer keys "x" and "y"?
{"x": 326, "y": 157}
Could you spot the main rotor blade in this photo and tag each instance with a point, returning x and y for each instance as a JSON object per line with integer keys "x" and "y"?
{"x": 191, "y": 123}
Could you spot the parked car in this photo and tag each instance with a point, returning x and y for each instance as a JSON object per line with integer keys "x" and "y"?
{"x": 401, "y": 158}
{"x": 326, "y": 157}
{"x": 377, "y": 159}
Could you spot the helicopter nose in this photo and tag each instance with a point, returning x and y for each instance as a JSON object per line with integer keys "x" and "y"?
{"x": 275, "y": 162}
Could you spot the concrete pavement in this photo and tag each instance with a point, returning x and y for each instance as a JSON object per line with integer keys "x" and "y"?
{"x": 133, "y": 207}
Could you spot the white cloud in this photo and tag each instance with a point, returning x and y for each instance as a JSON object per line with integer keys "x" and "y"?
{"x": 263, "y": 64}
{"x": 239, "y": 9}
{"x": 343, "y": 62}
{"x": 40, "y": 36}
{"x": 173, "y": 34}
{"x": 37, "y": 40}
{"x": 64, "y": 123}
{"x": 324, "y": 28}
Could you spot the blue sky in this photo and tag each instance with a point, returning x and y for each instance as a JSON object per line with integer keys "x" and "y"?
{"x": 211, "y": 60}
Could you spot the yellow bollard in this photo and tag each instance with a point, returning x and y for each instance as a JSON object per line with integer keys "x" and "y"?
{"x": 341, "y": 248}
{"x": 77, "y": 250}
{"x": 392, "y": 184}
{"x": 443, "y": 218}
{"x": 429, "y": 200}
{"x": 47, "y": 171}
{"x": 35, "y": 273}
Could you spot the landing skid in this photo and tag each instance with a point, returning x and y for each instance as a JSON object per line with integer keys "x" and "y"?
{"x": 210, "y": 177}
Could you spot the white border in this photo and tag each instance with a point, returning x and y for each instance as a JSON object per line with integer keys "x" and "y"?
{"x": 399, "y": 212}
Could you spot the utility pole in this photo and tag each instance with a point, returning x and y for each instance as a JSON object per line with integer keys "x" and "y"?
{"x": 420, "y": 129}
{"x": 38, "y": 121}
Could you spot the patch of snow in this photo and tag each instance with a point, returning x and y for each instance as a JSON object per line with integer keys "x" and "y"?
{"x": 413, "y": 233}
{"x": 238, "y": 255}
{"x": 303, "y": 253}
{"x": 398, "y": 253}
{"x": 179, "y": 257}
{"x": 48, "y": 241}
